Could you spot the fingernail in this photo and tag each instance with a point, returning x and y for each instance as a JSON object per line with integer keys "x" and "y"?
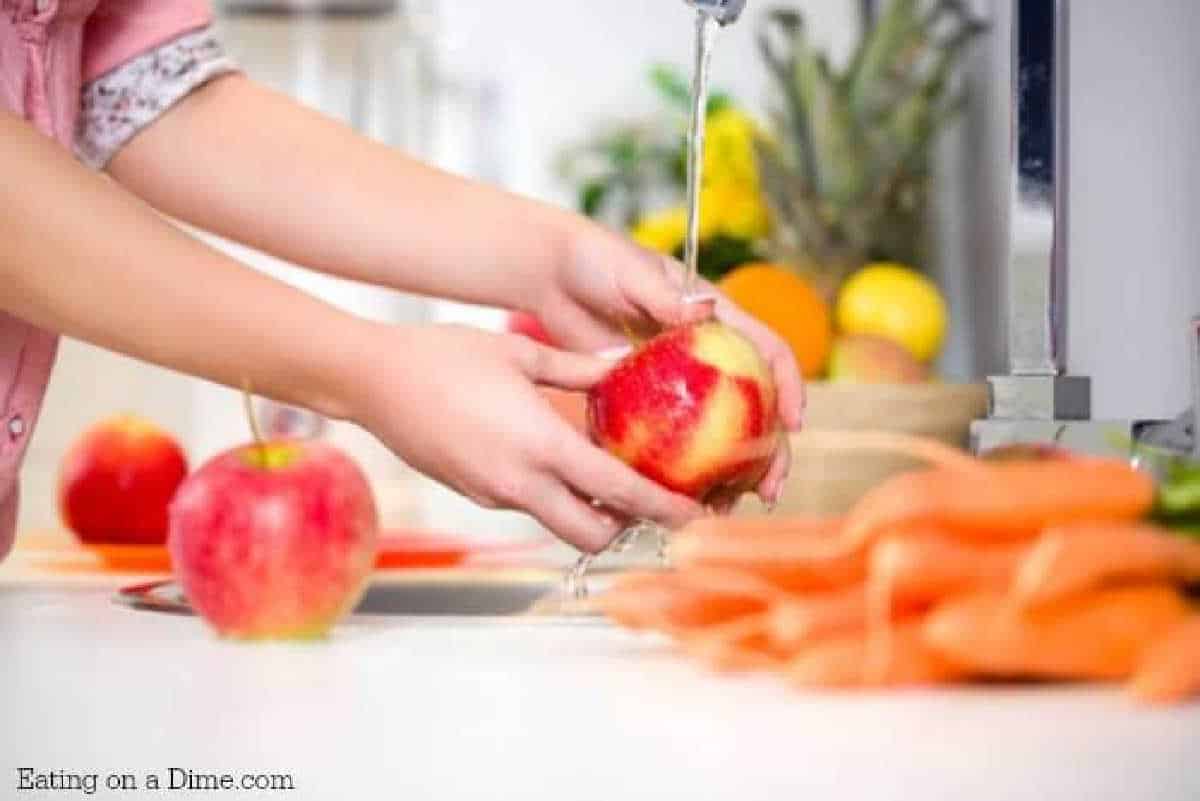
{"x": 706, "y": 301}
{"x": 615, "y": 354}
{"x": 775, "y": 494}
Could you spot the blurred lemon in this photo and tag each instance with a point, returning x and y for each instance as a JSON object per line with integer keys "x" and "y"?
{"x": 733, "y": 210}
{"x": 897, "y": 302}
{"x": 662, "y": 231}
{"x": 729, "y": 149}
{"x": 789, "y": 306}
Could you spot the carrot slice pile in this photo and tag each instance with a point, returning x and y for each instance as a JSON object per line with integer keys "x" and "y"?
{"x": 967, "y": 570}
{"x": 1170, "y": 670}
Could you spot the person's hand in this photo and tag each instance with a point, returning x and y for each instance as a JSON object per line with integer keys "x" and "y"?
{"x": 607, "y": 287}
{"x": 461, "y": 406}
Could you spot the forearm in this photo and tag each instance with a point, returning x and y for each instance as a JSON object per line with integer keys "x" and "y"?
{"x": 84, "y": 258}
{"x": 254, "y": 166}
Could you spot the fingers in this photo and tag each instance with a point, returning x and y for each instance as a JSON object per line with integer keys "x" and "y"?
{"x": 572, "y": 519}
{"x": 770, "y": 489}
{"x": 793, "y": 399}
{"x": 596, "y": 474}
{"x": 558, "y": 368}
{"x": 656, "y": 292}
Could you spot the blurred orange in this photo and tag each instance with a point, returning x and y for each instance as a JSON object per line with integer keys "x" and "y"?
{"x": 789, "y": 306}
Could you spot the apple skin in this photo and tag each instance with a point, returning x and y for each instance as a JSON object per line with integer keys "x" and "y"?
{"x": 274, "y": 541}
{"x": 526, "y": 324}
{"x": 868, "y": 359}
{"x": 116, "y": 482}
{"x": 694, "y": 409}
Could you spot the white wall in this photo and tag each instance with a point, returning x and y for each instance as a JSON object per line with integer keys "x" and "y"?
{"x": 1135, "y": 226}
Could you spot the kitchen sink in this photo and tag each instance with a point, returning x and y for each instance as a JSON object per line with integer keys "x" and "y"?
{"x": 474, "y": 593}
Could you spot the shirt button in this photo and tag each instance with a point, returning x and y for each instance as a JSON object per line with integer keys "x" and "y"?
{"x": 16, "y": 428}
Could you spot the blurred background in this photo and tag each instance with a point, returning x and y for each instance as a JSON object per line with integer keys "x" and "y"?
{"x": 505, "y": 91}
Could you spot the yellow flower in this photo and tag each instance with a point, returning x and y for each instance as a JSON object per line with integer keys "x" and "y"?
{"x": 729, "y": 149}
{"x": 737, "y": 211}
{"x": 662, "y": 231}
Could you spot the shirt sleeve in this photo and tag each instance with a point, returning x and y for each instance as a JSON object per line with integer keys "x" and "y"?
{"x": 140, "y": 58}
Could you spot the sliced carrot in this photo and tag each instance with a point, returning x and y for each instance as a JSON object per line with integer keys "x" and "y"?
{"x": 728, "y": 581}
{"x": 795, "y": 554}
{"x": 735, "y": 646}
{"x": 1075, "y": 558}
{"x": 799, "y": 621}
{"x": 925, "y": 565}
{"x": 1096, "y": 635}
{"x": 843, "y": 662}
{"x": 667, "y": 602}
{"x": 715, "y": 531}
{"x": 1170, "y": 670}
{"x": 1003, "y": 501}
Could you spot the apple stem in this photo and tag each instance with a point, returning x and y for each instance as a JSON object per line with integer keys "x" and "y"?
{"x": 248, "y": 403}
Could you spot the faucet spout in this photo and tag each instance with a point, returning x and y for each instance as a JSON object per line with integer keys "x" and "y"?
{"x": 725, "y": 12}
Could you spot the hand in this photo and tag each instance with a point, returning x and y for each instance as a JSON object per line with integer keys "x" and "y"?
{"x": 606, "y": 288}
{"x": 461, "y": 406}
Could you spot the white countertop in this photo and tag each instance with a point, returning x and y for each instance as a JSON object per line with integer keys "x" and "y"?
{"x": 401, "y": 709}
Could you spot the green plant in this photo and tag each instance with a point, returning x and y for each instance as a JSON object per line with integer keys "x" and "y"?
{"x": 845, "y": 164}
{"x": 622, "y": 170}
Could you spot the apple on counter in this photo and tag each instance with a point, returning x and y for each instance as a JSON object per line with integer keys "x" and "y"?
{"x": 694, "y": 408}
{"x": 274, "y": 540}
{"x": 117, "y": 480}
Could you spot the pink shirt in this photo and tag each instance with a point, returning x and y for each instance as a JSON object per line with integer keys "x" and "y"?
{"x": 48, "y": 50}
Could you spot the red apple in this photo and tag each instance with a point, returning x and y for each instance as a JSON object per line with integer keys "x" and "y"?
{"x": 117, "y": 480}
{"x": 530, "y": 326}
{"x": 274, "y": 541}
{"x": 694, "y": 409}
{"x": 868, "y": 359}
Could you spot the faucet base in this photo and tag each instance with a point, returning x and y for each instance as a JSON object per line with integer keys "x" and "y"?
{"x": 1111, "y": 438}
{"x": 1039, "y": 397}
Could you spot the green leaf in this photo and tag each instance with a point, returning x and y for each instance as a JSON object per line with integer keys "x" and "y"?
{"x": 880, "y": 52}
{"x": 718, "y": 101}
{"x": 672, "y": 85}
{"x": 789, "y": 25}
{"x": 591, "y": 197}
{"x": 721, "y": 254}
{"x": 623, "y": 149}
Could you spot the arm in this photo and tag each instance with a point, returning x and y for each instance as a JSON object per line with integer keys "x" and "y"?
{"x": 245, "y": 162}
{"x": 83, "y": 257}
{"x": 68, "y": 265}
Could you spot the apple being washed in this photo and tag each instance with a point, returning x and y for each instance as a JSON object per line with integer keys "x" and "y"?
{"x": 116, "y": 481}
{"x": 274, "y": 540}
{"x": 694, "y": 409}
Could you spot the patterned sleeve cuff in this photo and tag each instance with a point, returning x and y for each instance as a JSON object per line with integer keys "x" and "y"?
{"x": 122, "y": 102}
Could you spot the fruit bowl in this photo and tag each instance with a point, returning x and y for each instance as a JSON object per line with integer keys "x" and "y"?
{"x": 828, "y": 482}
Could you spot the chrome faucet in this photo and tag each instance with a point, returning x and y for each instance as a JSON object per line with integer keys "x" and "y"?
{"x": 1038, "y": 400}
{"x": 725, "y": 12}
